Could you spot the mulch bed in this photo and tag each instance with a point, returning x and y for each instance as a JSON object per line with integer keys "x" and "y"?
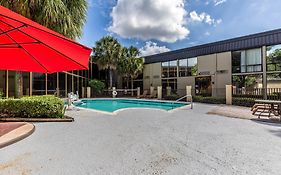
{"x": 10, "y": 119}
{"x": 8, "y": 127}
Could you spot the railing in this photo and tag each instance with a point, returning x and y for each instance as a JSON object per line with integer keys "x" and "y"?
{"x": 258, "y": 93}
{"x": 191, "y": 101}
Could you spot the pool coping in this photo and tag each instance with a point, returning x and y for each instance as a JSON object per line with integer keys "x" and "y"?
{"x": 124, "y": 109}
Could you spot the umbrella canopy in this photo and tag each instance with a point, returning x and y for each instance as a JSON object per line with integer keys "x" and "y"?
{"x": 28, "y": 46}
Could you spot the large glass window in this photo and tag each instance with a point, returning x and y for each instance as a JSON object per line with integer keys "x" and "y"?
{"x": 273, "y": 58}
{"x": 2, "y": 82}
{"x": 52, "y": 83}
{"x": 169, "y": 69}
{"x": 39, "y": 84}
{"x": 188, "y": 67}
{"x": 169, "y": 83}
{"x": 247, "y": 61}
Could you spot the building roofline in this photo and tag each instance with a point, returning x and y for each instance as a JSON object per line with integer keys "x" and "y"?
{"x": 238, "y": 43}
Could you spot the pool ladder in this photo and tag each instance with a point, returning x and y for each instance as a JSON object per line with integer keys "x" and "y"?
{"x": 191, "y": 101}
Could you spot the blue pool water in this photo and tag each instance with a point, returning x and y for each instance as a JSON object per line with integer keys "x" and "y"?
{"x": 111, "y": 105}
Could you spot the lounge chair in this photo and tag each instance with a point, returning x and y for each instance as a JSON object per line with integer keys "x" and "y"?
{"x": 144, "y": 94}
{"x": 264, "y": 109}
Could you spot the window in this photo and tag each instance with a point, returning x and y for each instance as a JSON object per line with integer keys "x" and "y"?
{"x": 169, "y": 69}
{"x": 188, "y": 67}
{"x": 273, "y": 58}
{"x": 247, "y": 61}
{"x": 169, "y": 83}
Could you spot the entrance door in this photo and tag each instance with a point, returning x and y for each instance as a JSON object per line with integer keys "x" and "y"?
{"x": 203, "y": 86}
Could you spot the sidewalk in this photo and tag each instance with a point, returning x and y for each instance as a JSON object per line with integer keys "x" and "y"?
{"x": 11, "y": 132}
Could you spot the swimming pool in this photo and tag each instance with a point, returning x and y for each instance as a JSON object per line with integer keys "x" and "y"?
{"x": 111, "y": 105}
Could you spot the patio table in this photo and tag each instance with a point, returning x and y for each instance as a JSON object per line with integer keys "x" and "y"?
{"x": 272, "y": 103}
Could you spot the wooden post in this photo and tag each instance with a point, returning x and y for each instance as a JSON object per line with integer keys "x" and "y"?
{"x": 72, "y": 82}
{"x": 46, "y": 84}
{"x": 30, "y": 83}
{"x": 7, "y": 84}
{"x": 58, "y": 85}
{"x": 65, "y": 84}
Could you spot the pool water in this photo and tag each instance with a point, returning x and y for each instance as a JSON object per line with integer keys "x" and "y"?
{"x": 111, "y": 105}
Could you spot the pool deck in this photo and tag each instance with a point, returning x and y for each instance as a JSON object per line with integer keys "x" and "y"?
{"x": 147, "y": 141}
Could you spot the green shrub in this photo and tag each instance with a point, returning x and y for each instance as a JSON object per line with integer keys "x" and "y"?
{"x": 97, "y": 86}
{"x": 247, "y": 102}
{"x": 238, "y": 101}
{"x": 1, "y": 94}
{"x": 210, "y": 100}
{"x": 32, "y": 107}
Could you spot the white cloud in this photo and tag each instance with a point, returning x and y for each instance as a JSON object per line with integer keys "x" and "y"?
{"x": 207, "y": 33}
{"x": 203, "y": 17}
{"x": 219, "y": 2}
{"x": 152, "y": 48}
{"x": 163, "y": 20}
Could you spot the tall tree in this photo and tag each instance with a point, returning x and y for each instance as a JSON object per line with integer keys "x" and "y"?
{"x": 132, "y": 65}
{"x": 107, "y": 54}
{"x": 66, "y": 17}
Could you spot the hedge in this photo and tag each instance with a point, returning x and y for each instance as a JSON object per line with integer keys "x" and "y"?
{"x": 248, "y": 102}
{"x": 32, "y": 107}
{"x": 210, "y": 100}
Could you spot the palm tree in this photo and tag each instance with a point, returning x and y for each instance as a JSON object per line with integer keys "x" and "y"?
{"x": 132, "y": 65}
{"x": 66, "y": 17}
{"x": 107, "y": 54}
{"x": 124, "y": 66}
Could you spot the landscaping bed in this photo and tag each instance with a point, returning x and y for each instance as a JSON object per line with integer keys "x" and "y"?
{"x": 33, "y": 109}
{"x": 237, "y": 101}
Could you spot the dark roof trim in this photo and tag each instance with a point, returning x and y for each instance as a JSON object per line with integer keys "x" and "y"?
{"x": 245, "y": 42}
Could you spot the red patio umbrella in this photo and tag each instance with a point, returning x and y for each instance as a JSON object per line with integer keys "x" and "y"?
{"x": 28, "y": 46}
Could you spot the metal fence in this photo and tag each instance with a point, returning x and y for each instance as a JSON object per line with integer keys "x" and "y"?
{"x": 258, "y": 93}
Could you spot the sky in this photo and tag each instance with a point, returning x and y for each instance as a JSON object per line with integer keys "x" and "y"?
{"x": 156, "y": 26}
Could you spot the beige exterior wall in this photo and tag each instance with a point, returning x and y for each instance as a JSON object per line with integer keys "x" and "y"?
{"x": 223, "y": 75}
{"x": 152, "y": 75}
{"x": 218, "y": 66}
{"x": 183, "y": 82}
{"x": 207, "y": 64}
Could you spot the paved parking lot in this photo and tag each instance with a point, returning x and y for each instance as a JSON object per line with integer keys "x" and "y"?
{"x": 147, "y": 142}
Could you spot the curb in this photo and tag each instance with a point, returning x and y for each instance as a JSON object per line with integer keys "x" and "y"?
{"x": 5, "y": 140}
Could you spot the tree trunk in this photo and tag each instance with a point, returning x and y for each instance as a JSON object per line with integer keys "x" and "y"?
{"x": 127, "y": 80}
{"x": 18, "y": 84}
{"x": 132, "y": 86}
{"x": 110, "y": 78}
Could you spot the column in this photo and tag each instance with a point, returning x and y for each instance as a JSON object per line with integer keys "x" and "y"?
{"x": 264, "y": 76}
{"x": 188, "y": 93}
{"x": 228, "y": 94}
{"x": 159, "y": 92}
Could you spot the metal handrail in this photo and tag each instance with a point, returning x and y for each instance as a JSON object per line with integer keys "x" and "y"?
{"x": 191, "y": 101}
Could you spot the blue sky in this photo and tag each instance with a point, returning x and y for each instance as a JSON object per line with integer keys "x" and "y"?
{"x": 157, "y": 26}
